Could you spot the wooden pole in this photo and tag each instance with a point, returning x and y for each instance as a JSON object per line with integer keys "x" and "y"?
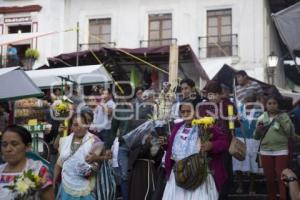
{"x": 77, "y": 44}
{"x": 173, "y": 65}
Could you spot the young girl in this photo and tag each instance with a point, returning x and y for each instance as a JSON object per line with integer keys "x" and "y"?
{"x": 273, "y": 129}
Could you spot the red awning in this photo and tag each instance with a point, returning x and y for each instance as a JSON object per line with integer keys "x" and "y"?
{"x": 151, "y": 54}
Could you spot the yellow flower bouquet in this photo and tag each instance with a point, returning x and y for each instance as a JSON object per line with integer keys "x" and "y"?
{"x": 61, "y": 108}
{"x": 204, "y": 121}
{"x": 204, "y": 124}
{"x": 26, "y": 185}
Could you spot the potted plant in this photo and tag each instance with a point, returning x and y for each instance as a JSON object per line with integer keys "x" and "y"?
{"x": 31, "y": 55}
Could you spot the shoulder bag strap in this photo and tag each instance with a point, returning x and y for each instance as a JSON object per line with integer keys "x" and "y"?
{"x": 76, "y": 150}
{"x": 265, "y": 133}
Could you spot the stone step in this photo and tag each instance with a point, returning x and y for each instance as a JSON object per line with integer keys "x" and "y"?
{"x": 251, "y": 197}
{"x": 259, "y": 187}
{"x": 247, "y": 197}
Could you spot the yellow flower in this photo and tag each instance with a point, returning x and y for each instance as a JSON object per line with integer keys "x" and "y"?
{"x": 22, "y": 187}
{"x": 61, "y": 107}
{"x": 36, "y": 179}
{"x": 208, "y": 121}
{"x": 205, "y": 121}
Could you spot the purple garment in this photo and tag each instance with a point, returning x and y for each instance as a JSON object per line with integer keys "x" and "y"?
{"x": 220, "y": 145}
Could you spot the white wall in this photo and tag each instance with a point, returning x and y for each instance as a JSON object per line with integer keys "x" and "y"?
{"x": 247, "y": 22}
{"x": 130, "y": 25}
{"x": 250, "y": 20}
{"x": 49, "y": 19}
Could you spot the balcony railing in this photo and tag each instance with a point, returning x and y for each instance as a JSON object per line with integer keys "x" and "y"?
{"x": 218, "y": 46}
{"x": 158, "y": 42}
{"x": 96, "y": 46}
{"x": 24, "y": 63}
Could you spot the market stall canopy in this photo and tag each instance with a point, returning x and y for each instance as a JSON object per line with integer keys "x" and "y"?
{"x": 120, "y": 63}
{"x": 287, "y": 22}
{"x": 15, "y": 84}
{"x": 226, "y": 76}
{"x": 83, "y": 75}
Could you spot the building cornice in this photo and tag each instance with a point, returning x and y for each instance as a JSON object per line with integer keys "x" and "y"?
{"x": 20, "y": 9}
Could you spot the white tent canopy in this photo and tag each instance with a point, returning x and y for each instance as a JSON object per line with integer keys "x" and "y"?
{"x": 81, "y": 75}
{"x": 15, "y": 84}
{"x": 8, "y": 69}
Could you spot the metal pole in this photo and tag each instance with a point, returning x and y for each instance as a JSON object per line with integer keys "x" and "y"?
{"x": 77, "y": 44}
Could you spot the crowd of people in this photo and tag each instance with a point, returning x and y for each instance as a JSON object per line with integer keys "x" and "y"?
{"x": 96, "y": 159}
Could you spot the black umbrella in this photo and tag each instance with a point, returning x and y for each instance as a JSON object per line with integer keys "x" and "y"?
{"x": 226, "y": 75}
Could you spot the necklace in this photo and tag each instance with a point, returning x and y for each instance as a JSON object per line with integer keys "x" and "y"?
{"x": 75, "y": 145}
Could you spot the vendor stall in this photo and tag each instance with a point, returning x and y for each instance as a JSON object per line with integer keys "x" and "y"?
{"x": 20, "y": 90}
{"x": 77, "y": 76}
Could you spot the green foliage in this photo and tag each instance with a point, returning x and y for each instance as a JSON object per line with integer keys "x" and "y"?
{"x": 32, "y": 53}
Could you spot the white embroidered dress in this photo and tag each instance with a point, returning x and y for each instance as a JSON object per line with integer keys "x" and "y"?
{"x": 186, "y": 143}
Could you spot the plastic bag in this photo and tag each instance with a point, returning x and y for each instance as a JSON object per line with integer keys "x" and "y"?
{"x": 138, "y": 135}
{"x": 106, "y": 184}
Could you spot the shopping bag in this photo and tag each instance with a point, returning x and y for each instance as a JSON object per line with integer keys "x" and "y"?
{"x": 106, "y": 184}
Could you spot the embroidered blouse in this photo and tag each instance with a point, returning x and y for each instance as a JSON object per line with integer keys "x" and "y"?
{"x": 73, "y": 183}
{"x": 8, "y": 178}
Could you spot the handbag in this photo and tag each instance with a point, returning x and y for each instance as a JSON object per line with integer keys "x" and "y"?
{"x": 191, "y": 171}
{"x": 238, "y": 148}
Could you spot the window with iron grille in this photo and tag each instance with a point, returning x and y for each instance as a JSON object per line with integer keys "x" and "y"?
{"x": 99, "y": 32}
{"x": 160, "y": 30}
{"x": 219, "y": 33}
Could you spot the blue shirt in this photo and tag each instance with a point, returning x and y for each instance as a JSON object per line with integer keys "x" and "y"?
{"x": 248, "y": 123}
{"x": 12, "y": 53}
